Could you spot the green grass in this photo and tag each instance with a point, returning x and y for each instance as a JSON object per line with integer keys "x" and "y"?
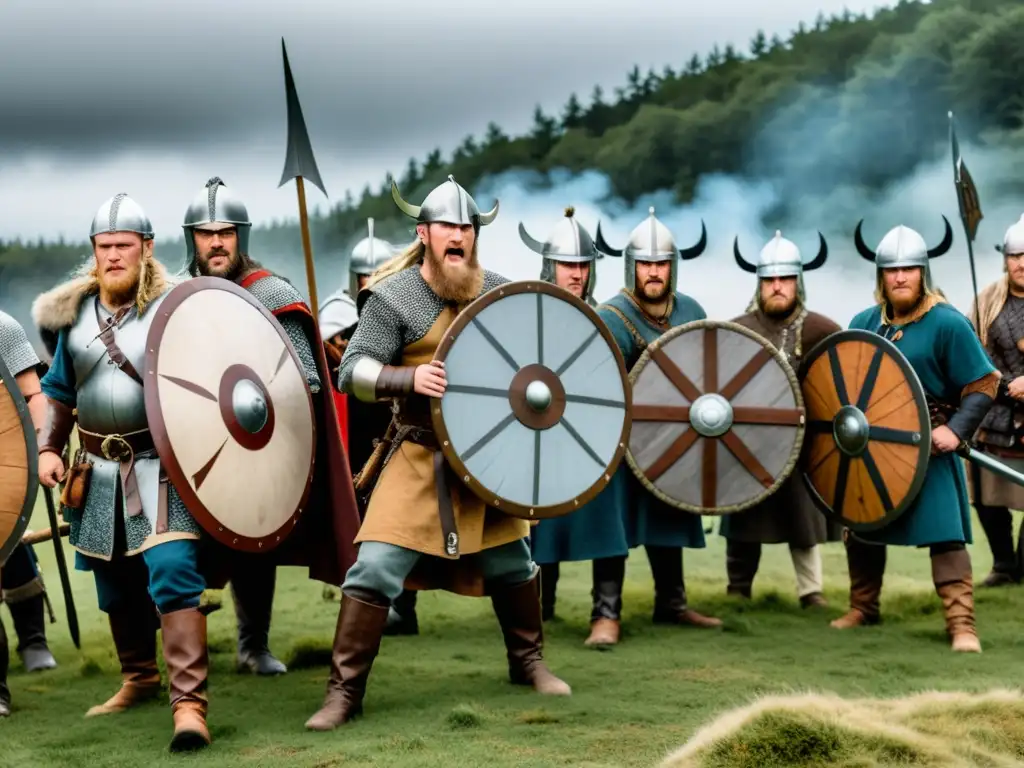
{"x": 442, "y": 699}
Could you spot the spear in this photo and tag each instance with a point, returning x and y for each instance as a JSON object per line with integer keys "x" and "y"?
{"x": 299, "y": 164}
{"x": 970, "y": 209}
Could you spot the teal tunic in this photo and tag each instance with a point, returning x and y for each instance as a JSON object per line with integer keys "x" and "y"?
{"x": 624, "y": 515}
{"x": 944, "y": 351}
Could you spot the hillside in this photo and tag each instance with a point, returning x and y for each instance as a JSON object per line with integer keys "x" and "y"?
{"x": 869, "y": 94}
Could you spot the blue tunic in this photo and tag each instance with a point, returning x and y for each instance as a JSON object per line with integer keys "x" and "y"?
{"x": 624, "y": 515}
{"x": 944, "y": 351}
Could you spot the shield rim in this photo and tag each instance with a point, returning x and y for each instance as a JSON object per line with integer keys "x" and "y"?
{"x": 801, "y": 428}
{"x": 32, "y": 450}
{"x": 154, "y": 414}
{"x": 466, "y": 477}
{"x": 924, "y": 449}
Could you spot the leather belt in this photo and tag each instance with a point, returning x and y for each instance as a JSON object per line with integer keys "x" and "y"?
{"x": 445, "y": 508}
{"x": 123, "y": 449}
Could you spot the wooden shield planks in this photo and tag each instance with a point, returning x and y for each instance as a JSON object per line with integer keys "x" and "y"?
{"x": 536, "y": 413}
{"x": 717, "y": 418}
{"x": 231, "y": 413}
{"x": 869, "y": 432}
{"x": 19, "y": 454}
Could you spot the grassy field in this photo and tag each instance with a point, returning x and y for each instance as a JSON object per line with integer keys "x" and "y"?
{"x": 442, "y": 698}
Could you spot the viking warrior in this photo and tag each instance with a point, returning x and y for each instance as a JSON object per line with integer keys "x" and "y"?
{"x": 217, "y": 229}
{"x": 422, "y": 523}
{"x": 960, "y": 384}
{"x": 569, "y": 261}
{"x": 128, "y": 523}
{"x": 363, "y": 422}
{"x": 625, "y": 515}
{"x": 778, "y": 312}
{"x": 22, "y": 583}
{"x": 1001, "y": 312}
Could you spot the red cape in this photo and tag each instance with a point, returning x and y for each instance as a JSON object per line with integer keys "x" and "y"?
{"x": 324, "y": 539}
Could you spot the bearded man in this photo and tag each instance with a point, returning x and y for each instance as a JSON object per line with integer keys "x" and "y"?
{"x": 569, "y": 261}
{"x": 625, "y": 513}
{"x": 779, "y": 314}
{"x": 128, "y": 523}
{"x": 217, "y": 228}
{"x": 23, "y": 589}
{"x": 422, "y": 523}
{"x": 22, "y": 585}
{"x": 960, "y": 384}
{"x": 1001, "y": 434}
{"x": 364, "y": 423}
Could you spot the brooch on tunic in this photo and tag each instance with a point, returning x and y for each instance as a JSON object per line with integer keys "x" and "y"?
{"x": 898, "y": 335}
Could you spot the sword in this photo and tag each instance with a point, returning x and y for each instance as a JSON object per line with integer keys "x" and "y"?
{"x": 994, "y": 466}
{"x": 62, "y": 568}
{"x": 299, "y": 163}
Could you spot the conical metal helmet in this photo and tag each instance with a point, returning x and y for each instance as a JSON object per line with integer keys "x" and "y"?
{"x": 568, "y": 242}
{"x": 781, "y": 258}
{"x": 903, "y": 247}
{"x": 449, "y": 203}
{"x": 121, "y": 214}
{"x": 215, "y": 207}
{"x": 367, "y": 257}
{"x": 1013, "y": 240}
{"x": 652, "y": 241}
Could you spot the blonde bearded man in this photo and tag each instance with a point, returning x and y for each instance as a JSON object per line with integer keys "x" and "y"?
{"x": 419, "y": 516}
{"x": 129, "y": 526}
{"x": 1001, "y": 308}
{"x": 960, "y": 383}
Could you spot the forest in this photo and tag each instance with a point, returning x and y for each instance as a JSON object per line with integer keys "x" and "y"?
{"x": 852, "y": 83}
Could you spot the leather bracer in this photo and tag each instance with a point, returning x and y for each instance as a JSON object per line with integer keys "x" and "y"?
{"x": 969, "y": 415}
{"x": 60, "y": 420}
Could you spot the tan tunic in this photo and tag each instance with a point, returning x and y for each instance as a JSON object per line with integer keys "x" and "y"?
{"x": 403, "y": 508}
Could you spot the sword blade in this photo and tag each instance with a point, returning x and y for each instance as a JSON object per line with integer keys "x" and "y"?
{"x": 993, "y": 465}
{"x": 62, "y": 568}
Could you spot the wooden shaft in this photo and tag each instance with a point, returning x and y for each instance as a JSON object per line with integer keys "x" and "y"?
{"x": 307, "y": 249}
{"x": 35, "y": 537}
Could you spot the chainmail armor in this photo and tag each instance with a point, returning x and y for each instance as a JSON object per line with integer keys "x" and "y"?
{"x": 400, "y": 309}
{"x": 15, "y": 349}
{"x": 115, "y": 206}
{"x": 1005, "y": 334}
{"x": 211, "y": 197}
{"x": 274, "y": 292}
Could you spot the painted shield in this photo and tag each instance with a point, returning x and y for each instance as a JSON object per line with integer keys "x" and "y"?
{"x": 717, "y": 418}
{"x": 869, "y": 432}
{"x": 230, "y": 412}
{"x": 536, "y": 413}
{"x": 19, "y": 454}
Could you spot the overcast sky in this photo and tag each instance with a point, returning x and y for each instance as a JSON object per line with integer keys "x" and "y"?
{"x": 107, "y": 96}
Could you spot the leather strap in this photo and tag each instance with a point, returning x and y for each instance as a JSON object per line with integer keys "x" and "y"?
{"x": 126, "y": 447}
{"x": 395, "y": 380}
{"x": 161, "y": 509}
{"x": 107, "y": 337}
{"x": 445, "y": 508}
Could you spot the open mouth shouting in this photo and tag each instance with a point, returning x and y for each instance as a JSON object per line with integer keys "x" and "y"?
{"x": 454, "y": 254}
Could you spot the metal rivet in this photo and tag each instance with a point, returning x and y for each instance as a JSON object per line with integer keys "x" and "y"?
{"x": 531, "y": 513}
{"x": 221, "y": 529}
{"x": 446, "y": 442}
{"x": 466, "y": 479}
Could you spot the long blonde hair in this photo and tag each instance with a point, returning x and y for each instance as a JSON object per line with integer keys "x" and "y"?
{"x": 413, "y": 254}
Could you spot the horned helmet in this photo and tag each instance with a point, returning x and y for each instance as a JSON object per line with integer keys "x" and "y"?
{"x": 903, "y": 247}
{"x": 781, "y": 258}
{"x": 448, "y": 202}
{"x": 568, "y": 242}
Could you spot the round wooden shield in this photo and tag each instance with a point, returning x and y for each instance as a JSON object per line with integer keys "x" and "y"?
{"x": 230, "y": 412}
{"x": 19, "y": 456}
{"x": 869, "y": 431}
{"x": 536, "y": 413}
{"x": 717, "y": 418}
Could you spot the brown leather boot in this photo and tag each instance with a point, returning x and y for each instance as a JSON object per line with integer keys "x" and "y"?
{"x": 135, "y": 641}
{"x": 187, "y": 660}
{"x": 951, "y": 572}
{"x": 356, "y": 643}
{"x": 866, "y": 563}
{"x": 518, "y": 612}
{"x": 603, "y": 632}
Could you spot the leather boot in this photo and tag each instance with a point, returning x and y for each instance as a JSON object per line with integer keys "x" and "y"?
{"x": 518, "y": 612}
{"x": 134, "y": 633}
{"x": 605, "y": 616}
{"x": 549, "y": 573}
{"x": 951, "y": 572}
{"x": 742, "y": 559}
{"x": 402, "y": 619}
{"x": 670, "y": 605}
{"x": 30, "y": 626}
{"x": 5, "y": 660}
{"x": 356, "y": 644}
{"x": 185, "y": 652}
{"x": 253, "y": 593}
{"x": 866, "y": 563}
{"x": 997, "y": 523}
